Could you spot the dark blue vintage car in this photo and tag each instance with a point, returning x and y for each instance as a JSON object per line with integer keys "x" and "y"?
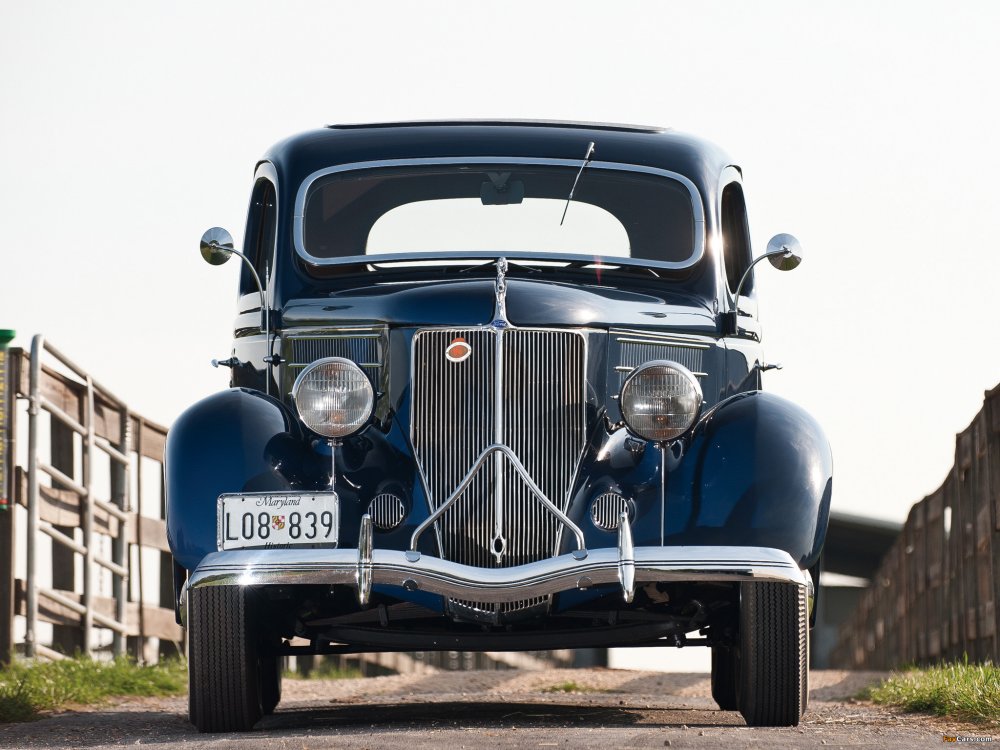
{"x": 496, "y": 386}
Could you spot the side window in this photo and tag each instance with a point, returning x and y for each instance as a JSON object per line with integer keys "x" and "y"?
{"x": 735, "y": 236}
{"x": 259, "y": 244}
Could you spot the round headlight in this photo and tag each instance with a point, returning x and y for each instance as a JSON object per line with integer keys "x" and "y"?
{"x": 334, "y": 397}
{"x": 660, "y": 401}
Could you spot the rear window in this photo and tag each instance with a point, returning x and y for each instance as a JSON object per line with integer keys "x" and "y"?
{"x": 503, "y": 208}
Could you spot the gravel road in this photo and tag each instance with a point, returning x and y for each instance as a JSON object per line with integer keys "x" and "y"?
{"x": 572, "y": 708}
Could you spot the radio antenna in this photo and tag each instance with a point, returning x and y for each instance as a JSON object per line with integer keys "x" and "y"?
{"x": 586, "y": 160}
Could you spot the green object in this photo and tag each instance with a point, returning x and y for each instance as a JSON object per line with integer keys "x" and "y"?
{"x": 6, "y": 336}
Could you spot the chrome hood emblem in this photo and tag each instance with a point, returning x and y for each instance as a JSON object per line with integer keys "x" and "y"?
{"x": 458, "y": 350}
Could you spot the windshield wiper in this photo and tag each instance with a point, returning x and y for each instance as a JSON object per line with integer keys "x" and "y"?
{"x": 586, "y": 160}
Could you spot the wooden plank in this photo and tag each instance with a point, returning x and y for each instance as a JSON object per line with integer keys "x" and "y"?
{"x": 107, "y": 420}
{"x": 62, "y": 507}
{"x": 70, "y": 395}
{"x": 159, "y": 622}
{"x": 152, "y": 532}
{"x": 154, "y": 439}
{"x": 62, "y": 391}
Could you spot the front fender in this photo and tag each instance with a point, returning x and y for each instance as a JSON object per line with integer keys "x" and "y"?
{"x": 761, "y": 474}
{"x": 238, "y": 440}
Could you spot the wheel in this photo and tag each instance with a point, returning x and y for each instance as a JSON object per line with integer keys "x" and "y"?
{"x": 223, "y": 660}
{"x": 773, "y": 659}
{"x": 270, "y": 683}
{"x": 724, "y": 677}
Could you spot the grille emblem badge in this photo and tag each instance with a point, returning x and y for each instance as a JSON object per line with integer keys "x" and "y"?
{"x": 458, "y": 350}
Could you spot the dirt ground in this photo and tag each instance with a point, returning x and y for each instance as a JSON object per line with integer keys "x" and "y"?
{"x": 589, "y": 708}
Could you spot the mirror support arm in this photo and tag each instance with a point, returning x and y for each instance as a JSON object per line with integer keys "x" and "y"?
{"x": 263, "y": 304}
{"x": 784, "y": 251}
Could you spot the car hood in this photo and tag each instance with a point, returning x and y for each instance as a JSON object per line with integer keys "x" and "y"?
{"x": 528, "y": 303}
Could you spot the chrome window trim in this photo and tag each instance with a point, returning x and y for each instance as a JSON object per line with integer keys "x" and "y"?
{"x": 298, "y": 216}
{"x": 729, "y": 175}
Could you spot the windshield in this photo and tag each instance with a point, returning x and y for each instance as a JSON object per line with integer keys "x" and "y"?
{"x": 510, "y": 208}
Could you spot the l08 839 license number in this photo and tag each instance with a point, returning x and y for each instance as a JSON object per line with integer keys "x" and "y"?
{"x": 278, "y": 520}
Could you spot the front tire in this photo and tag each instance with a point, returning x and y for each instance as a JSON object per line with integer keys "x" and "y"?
{"x": 774, "y": 654}
{"x": 224, "y": 660}
{"x": 270, "y": 683}
{"x": 724, "y": 677}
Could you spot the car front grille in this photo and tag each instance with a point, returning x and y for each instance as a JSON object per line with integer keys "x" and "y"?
{"x": 365, "y": 347}
{"x": 635, "y": 349}
{"x": 454, "y": 419}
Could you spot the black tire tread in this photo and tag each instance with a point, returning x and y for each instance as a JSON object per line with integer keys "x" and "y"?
{"x": 724, "y": 678}
{"x": 224, "y": 693}
{"x": 774, "y": 653}
{"x": 270, "y": 683}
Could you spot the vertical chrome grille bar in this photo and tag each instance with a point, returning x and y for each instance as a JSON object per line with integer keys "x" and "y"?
{"x": 523, "y": 388}
{"x": 498, "y": 544}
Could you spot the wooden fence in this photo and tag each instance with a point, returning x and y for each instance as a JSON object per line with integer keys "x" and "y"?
{"x": 85, "y": 562}
{"x": 935, "y": 595}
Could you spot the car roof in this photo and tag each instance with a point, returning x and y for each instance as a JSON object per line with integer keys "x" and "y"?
{"x": 301, "y": 155}
{"x": 504, "y": 123}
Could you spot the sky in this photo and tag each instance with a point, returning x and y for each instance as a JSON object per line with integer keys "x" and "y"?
{"x": 866, "y": 129}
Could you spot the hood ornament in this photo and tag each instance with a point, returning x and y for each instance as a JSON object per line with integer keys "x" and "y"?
{"x": 500, "y": 314}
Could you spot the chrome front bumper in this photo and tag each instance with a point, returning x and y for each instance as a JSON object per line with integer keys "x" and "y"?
{"x": 363, "y": 568}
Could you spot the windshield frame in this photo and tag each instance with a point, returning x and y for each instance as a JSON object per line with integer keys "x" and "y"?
{"x": 298, "y": 216}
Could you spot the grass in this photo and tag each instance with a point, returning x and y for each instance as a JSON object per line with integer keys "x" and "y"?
{"x": 26, "y": 688}
{"x": 325, "y": 671}
{"x": 569, "y": 687}
{"x": 969, "y": 692}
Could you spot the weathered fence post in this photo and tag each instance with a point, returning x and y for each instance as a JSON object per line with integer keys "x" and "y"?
{"x": 993, "y": 469}
{"x": 65, "y": 638}
{"x": 7, "y": 514}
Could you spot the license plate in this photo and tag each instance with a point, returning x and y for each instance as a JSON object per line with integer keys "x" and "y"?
{"x": 279, "y": 520}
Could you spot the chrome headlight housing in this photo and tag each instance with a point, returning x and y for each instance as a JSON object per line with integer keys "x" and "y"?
{"x": 334, "y": 397}
{"x": 660, "y": 401}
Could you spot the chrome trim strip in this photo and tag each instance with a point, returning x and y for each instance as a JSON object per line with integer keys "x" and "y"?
{"x": 363, "y": 571}
{"x": 625, "y": 368}
{"x": 549, "y": 576}
{"x": 664, "y": 336}
{"x": 698, "y": 206}
{"x": 359, "y": 364}
{"x": 321, "y": 337}
{"x": 626, "y": 558}
{"x": 663, "y": 342}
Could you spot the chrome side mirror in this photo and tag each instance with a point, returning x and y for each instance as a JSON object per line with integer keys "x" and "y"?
{"x": 784, "y": 252}
{"x": 217, "y": 246}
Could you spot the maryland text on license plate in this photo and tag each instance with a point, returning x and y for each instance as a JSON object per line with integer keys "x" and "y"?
{"x": 278, "y": 520}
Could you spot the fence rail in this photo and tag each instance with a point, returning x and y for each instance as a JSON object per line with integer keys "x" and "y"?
{"x": 935, "y": 594}
{"x": 87, "y": 511}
